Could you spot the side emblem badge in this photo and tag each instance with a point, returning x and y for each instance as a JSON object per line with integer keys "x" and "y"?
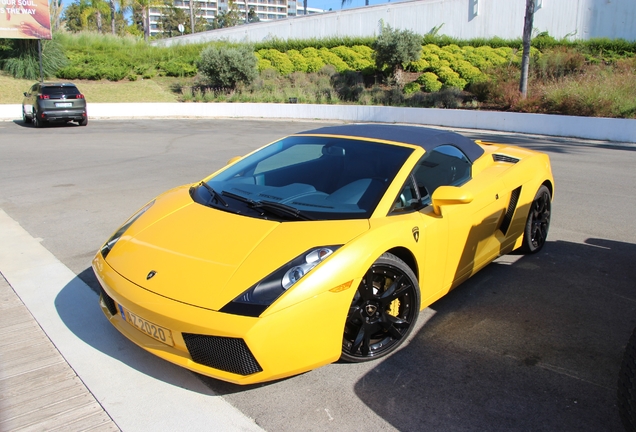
{"x": 416, "y": 234}
{"x": 151, "y": 274}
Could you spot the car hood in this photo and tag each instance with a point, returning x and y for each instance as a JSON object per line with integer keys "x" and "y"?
{"x": 207, "y": 257}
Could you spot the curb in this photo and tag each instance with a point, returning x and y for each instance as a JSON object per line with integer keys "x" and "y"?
{"x": 594, "y": 128}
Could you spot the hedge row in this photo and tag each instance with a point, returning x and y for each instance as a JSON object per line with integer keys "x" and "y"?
{"x": 455, "y": 66}
{"x": 442, "y": 67}
{"x": 310, "y": 59}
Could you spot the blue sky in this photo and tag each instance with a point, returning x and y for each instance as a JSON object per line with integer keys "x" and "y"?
{"x": 335, "y": 4}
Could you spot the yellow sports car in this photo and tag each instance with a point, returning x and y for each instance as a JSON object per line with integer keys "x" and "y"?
{"x": 321, "y": 246}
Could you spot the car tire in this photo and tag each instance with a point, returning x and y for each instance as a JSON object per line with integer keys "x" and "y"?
{"x": 25, "y": 119}
{"x": 84, "y": 121}
{"x": 37, "y": 122}
{"x": 538, "y": 222}
{"x": 627, "y": 386}
{"x": 383, "y": 311}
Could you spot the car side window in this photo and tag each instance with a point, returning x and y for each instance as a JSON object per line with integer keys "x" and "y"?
{"x": 445, "y": 165}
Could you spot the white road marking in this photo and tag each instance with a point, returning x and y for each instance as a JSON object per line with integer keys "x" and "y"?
{"x": 138, "y": 390}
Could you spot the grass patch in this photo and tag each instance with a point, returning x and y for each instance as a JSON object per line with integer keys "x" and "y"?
{"x": 158, "y": 89}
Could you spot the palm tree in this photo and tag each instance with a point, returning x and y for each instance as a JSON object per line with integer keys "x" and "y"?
{"x": 96, "y": 7}
{"x": 145, "y": 6}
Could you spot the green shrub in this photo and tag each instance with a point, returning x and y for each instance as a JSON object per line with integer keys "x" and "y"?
{"x": 115, "y": 73}
{"x": 450, "y": 78}
{"x": 467, "y": 71}
{"x": 225, "y": 67}
{"x": 314, "y": 61}
{"x": 430, "y": 82}
{"x": 353, "y": 59}
{"x": 452, "y": 48}
{"x": 262, "y": 64}
{"x": 20, "y": 58}
{"x": 420, "y": 65}
{"x": 69, "y": 73}
{"x": 177, "y": 68}
{"x": 411, "y": 87}
{"x": 279, "y": 61}
{"x": 394, "y": 49}
{"x": 332, "y": 59}
{"x": 297, "y": 59}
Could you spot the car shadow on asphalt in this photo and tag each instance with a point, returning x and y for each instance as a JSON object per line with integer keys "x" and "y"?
{"x": 534, "y": 344}
{"x": 21, "y": 123}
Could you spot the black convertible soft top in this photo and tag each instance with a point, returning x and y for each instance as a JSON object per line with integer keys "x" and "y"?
{"x": 424, "y": 137}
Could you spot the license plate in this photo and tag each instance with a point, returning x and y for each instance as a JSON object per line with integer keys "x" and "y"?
{"x": 153, "y": 330}
{"x": 64, "y": 104}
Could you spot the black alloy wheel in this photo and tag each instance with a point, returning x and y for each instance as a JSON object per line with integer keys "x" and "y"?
{"x": 383, "y": 311}
{"x": 538, "y": 222}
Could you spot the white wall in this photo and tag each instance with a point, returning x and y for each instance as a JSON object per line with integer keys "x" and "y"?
{"x": 620, "y": 130}
{"x": 578, "y": 19}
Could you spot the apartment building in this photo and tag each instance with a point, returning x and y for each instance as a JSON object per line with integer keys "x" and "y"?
{"x": 266, "y": 10}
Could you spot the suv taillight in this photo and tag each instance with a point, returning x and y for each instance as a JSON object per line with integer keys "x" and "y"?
{"x": 79, "y": 96}
{"x": 42, "y": 96}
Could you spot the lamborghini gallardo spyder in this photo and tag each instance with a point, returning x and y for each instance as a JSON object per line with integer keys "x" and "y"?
{"x": 321, "y": 246}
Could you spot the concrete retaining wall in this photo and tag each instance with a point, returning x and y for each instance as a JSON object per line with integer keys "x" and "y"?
{"x": 620, "y": 130}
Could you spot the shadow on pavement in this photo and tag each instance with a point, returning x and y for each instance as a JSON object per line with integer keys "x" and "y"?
{"x": 534, "y": 345}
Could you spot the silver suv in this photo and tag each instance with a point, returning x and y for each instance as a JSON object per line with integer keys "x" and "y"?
{"x": 54, "y": 102}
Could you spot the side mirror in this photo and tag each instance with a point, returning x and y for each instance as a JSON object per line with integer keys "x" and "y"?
{"x": 234, "y": 159}
{"x": 24, "y": 93}
{"x": 449, "y": 195}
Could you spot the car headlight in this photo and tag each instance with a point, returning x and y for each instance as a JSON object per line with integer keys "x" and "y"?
{"x": 111, "y": 241}
{"x": 257, "y": 298}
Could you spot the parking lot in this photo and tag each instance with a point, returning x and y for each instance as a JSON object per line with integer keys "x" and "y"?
{"x": 529, "y": 343}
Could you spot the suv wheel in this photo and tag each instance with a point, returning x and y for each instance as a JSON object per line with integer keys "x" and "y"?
{"x": 25, "y": 119}
{"x": 36, "y": 121}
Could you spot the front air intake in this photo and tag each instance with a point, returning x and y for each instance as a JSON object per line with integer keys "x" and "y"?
{"x": 223, "y": 353}
{"x": 109, "y": 302}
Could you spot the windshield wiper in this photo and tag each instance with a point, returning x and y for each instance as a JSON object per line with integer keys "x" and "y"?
{"x": 281, "y": 209}
{"x": 273, "y": 207}
{"x": 214, "y": 194}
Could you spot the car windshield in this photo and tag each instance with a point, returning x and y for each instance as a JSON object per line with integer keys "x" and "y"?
{"x": 60, "y": 90}
{"x": 306, "y": 178}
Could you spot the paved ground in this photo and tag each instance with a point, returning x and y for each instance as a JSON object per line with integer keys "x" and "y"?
{"x": 40, "y": 391}
{"x": 530, "y": 343}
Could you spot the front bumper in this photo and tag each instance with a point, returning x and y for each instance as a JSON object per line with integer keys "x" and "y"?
{"x": 245, "y": 350}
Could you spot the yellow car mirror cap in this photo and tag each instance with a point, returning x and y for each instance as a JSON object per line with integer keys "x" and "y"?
{"x": 234, "y": 159}
{"x": 449, "y": 195}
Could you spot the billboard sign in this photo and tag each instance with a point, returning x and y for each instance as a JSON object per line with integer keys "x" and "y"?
{"x": 25, "y": 19}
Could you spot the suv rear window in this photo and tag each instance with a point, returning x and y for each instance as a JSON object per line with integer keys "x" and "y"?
{"x": 60, "y": 90}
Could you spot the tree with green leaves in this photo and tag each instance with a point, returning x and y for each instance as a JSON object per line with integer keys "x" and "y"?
{"x": 229, "y": 18}
{"x": 394, "y": 49}
{"x": 170, "y": 19}
{"x": 96, "y": 8}
{"x": 142, "y": 8}
{"x": 252, "y": 16}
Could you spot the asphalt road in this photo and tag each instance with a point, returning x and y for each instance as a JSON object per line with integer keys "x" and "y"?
{"x": 529, "y": 343}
